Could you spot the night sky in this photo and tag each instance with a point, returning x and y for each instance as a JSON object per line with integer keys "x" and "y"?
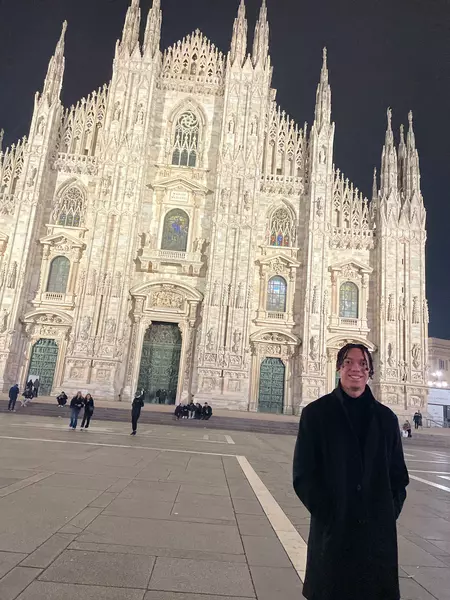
{"x": 381, "y": 53}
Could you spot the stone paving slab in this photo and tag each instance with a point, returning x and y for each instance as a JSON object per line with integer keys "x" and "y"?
{"x": 202, "y": 577}
{"x": 8, "y": 560}
{"x": 46, "y": 554}
{"x": 271, "y": 583}
{"x": 16, "y": 581}
{"x": 40, "y": 590}
{"x": 265, "y": 552}
{"x": 100, "y": 568}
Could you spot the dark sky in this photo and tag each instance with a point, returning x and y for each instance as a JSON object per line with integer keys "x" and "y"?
{"x": 381, "y": 53}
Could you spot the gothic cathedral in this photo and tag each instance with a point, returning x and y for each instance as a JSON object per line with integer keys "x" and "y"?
{"x": 177, "y": 232}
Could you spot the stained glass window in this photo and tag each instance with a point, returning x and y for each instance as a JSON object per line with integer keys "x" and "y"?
{"x": 282, "y": 231}
{"x": 175, "y": 232}
{"x": 58, "y": 275}
{"x": 348, "y": 300}
{"x": 276, "y": 295}
{"x": 185, "y": 145}
{"x": 69, "y": 210}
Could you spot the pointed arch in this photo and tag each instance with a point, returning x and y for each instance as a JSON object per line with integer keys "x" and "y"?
{"x": 281, "y": 226}
{"x": 70, "y": 205}
{"x": 187, "y": 125}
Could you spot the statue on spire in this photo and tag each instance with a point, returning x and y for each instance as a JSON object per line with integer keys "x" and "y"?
{"x": 323, "y": 97}
{"x": 389, "y": 164}
{"x": 55, "y": 72}
{"x": 239, "y": 39}
{"x": 153, "y": 30}
{"x": 261, "y": 38}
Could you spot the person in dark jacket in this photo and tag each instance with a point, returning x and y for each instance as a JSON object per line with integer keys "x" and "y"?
{"x": 136, "y": 407}
{"x": 198, "y": 411}
{"x": 350, "y": 473}
{"x": 36, "y": 388}
{"x": 13, "y": 395}
{"x": 62, "y": 399}
{"x": 76, "y": 404}
{"x": 178, "y": 411}
{"x": 88, "y": 411}
{"x": 27, "y": 396}
{"x": 206, "y": 412}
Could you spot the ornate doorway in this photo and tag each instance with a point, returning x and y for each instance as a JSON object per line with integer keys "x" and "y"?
{"x": 160, "y": 363}
{"x": 43, "y": 364}
{"x": 271, "y": 386}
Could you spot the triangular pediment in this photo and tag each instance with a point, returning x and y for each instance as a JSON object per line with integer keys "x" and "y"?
{"x": 351, "y": 264}
{"x": 180, "y": 183}
{"x": 56, "y": 239}
{"x": 273, "y": 336}
{"x": 279, "y": 258}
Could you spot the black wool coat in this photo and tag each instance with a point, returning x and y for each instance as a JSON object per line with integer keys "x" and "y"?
{"x": 354, "y": 499}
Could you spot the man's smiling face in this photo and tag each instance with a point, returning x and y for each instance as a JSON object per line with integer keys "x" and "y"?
{"x": 354, "y": 372}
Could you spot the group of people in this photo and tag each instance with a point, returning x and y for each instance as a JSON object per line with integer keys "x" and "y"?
{"x": 418, "y": 421}
{"x": 78, "y": 403}
{"x": 193, "y": 411}
{"x": 31, "y": 391}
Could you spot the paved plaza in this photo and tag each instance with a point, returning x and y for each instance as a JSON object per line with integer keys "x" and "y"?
{"x": 181, "y": 514}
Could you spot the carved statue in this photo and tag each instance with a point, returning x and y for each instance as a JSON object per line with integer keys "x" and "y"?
{"x": 41, "y": 126}
{"x": 167, "y": 299}
{"x": 240, "y": 295}
{"x": 224, "y": 198}
{"x": 199, "y": 243}
{"x": 416, "y": 353}
{"x": 110, "y": 326}
{"x": 237, "y": 337}
{"x": 390, "y": 355}
{"x": 315, "y": 301}
{"x": 314, "y": 344}
{"x": 403, "y": 370}
{"x": 210, "y": 336}
{"x": 85, "y": 327}
{"x": 215, "y": 294}
{"x": 92, "y": 283}
{"x": 12, "y": 276}
{"x": 117, "y": 111}
{"x": 247, "y": 200}
{"x": 140, "y": 115}
{"x": 4, "y": 321}
{"x": 391, "y": 308}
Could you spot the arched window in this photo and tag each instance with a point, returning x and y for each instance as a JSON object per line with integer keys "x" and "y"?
{"x": 175, "y": 231}
{"x": 282, "y": 232}
{"x": 185, "y": 144}
{"x": 276, "y": 295}
{"x": 348, "y": 300}
{"x": 58, "y": 275}
{"x": 69, "y": 210}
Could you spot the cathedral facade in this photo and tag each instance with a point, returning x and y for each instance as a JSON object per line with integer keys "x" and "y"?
{"x": 176, "y": 231}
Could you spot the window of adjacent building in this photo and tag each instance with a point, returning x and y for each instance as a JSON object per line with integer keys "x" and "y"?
{"x": 175, "y": 231}
{"x": 69, "y": 211}
{"x": 443, "y": 365}
{"x": 276, "y": 295}
{"x": 281, "y": 228}
{"x": 348, "y": 300}
{"x": 185, "y": 145}
{"x": 58, "y": 275}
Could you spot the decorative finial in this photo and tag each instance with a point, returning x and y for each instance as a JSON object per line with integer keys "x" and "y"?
{"x": 325, "y": 54}
{"x": 402, "y": 134}
{"x": 389, "y": 117}
{"x": 410, "y": 117}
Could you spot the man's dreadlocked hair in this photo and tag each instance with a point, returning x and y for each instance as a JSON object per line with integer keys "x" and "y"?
{"x": 343, "y": 353}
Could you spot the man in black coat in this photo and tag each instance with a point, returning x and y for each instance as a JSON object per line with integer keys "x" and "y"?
{"x": 350, "y": 473}
{"x": 136, "y": 407}
{"x": 13, "y": 394}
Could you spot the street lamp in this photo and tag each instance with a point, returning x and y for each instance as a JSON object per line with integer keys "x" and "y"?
{"x": 437, "y": 382}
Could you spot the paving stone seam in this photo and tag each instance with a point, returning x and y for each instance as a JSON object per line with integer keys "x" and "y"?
{"x": 24, "y": 483}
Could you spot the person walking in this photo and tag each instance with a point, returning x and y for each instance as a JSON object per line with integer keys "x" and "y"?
{"x": 417, "y": 418}
{"x": 13, "y": 395}
{"x": 349, "y": 472}
{"x": 88, "y": 411}
{"x": 76, "y": 404}
{"x": 136, "y": 407}
{"x": 407, "y": 427}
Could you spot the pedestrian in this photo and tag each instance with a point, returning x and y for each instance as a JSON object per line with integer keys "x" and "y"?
{"x": 350, "y": 473}
{"x": 407, "y": 428}
{"x": 191, "y": 409}
{"x": 198, "y": 411}
{"x": 36, "y": 388}
{"x": 29, "y": 385}
{"x": 206, "y": 412}
{"x": 13, "y": 394}
{"x": 420, "y": 419}
{"x": 62, "y": 399}
{"x": 27, "y": 395}
{"x": 185, "y": 411}
{"x": 88, "y": 411}
{"x": 136, "y": 408}
{"x": 76, "y": 404}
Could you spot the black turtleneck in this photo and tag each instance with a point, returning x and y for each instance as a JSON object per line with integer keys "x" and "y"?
{"x": 359, "y": 413}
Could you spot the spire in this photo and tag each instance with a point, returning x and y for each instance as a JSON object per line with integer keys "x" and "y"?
{"x": 412, "y": 163}
{"x": 401, "y": 160}
{"x": 261, "y": 39}
{"x": 239, "y": 39}
{"x": 375, "y": 185}
{"x": 323, "y": 97}
{"x": 55, "y": 72}
{"x": 389, "y": 160}
{"x": 153, "y": 30}
{"x": 2, "y": 133}
{"x": 130, "y": 34}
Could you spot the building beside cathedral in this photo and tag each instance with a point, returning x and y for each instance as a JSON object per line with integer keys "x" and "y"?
{"x": 177, "y": 231}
